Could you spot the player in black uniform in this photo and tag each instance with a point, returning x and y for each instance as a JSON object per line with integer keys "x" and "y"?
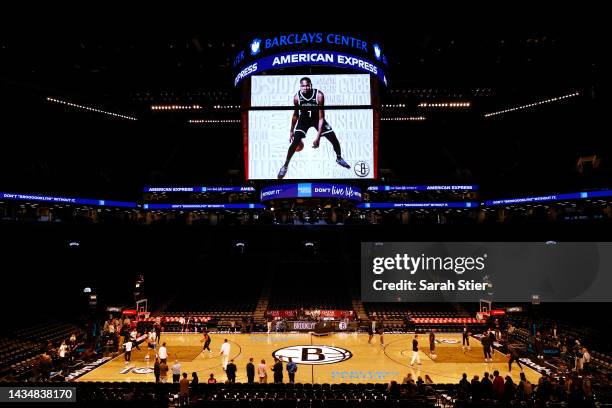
{"x": 466, "y": 338}
{"x": 309, "y": 113}
{"x": 487, "y": 344}
{"x": 206, "y": 340}
{"x": 539, "y": 346}
{"x": 415, "y": 351}
{"x": 432, "y": 344}
{"x": 513, "y": 356}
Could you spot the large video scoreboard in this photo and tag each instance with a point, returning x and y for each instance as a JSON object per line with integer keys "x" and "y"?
{"x": 270, "y": 72}
{"x": 347, "y": 109}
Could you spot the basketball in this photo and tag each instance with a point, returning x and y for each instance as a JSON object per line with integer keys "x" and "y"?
{"x": 300, "y": 146}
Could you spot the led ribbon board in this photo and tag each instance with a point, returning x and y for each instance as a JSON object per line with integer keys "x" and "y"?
{"x": 309, "y": 58}
{"x": 423, "y": 188}
{"x": 311, "y": 190}
{"x": 466, "y": 204}
{"x": 552, "y": 197}
{"x": 213, "y": 189}
{"x": 246, "y": 206}
{"x": 65, "y": 200}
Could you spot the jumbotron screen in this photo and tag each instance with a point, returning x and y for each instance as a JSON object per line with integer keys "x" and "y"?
{"x": 287, "y": 114}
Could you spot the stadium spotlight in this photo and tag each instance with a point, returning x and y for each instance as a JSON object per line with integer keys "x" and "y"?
{"x": 310, "y": 248}
{"x": 139, "y": 287}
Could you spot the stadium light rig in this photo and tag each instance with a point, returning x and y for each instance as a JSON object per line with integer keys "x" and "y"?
{"x": 444, "y": 105}
{"x": 531, "y": 105}
{"x": 175, "y": 107}
{"x": 221, "y": 107}
{"x": 74, "y": 105}
{"x": 405, "y": 118}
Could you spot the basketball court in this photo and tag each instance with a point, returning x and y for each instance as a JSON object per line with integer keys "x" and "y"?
{"x": 337, "y": 358}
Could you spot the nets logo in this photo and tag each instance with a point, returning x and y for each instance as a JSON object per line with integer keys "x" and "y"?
{"x": 313, "y": 355}
{"x": 139, "y": 370}
{"x": 255, "y": 46}
{"x": 361, "y": 169}
{"x": 447, "y": 341}
{"x": 377, "y": 51}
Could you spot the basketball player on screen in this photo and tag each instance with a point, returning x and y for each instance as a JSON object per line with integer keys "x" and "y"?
{"x": 305, "y": 116}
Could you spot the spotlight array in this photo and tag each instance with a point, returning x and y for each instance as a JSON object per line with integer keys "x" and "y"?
{"x": 532, "y": 104}
{"x": 74, "y": 105}
{"x": 221, "y": 107}
{"x": 175, "y": 107}
{"x": 444, "y": 105}
{"x": 406, "y": 118}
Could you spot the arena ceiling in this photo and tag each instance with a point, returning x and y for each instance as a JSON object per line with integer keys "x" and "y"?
{"x": 58, "y": 148}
